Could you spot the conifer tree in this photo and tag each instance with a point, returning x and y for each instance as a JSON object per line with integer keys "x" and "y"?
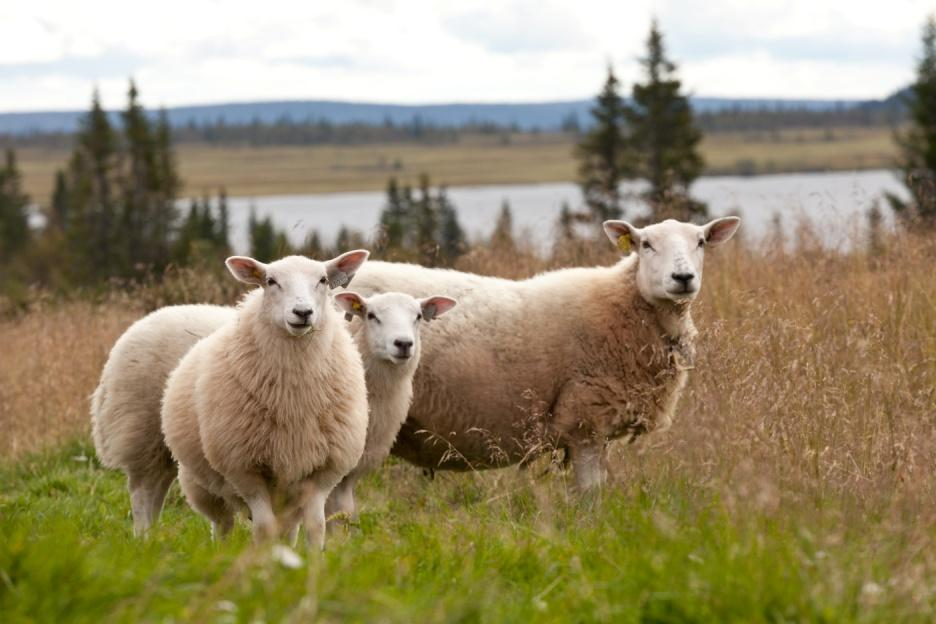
{"x": 223, "y": 222}
{"x": 451, "y": 237}
{"x": 393, "y": 218}
{"x": 917, "y": 145}
{"x": 603, "y": 153}
{"x": 502, "y": 239}
{"x": 312, "y": 248}
{"x": 262, "y": 237}
{"x": 664, "y": 136}
{"x": 59, "y": 214}
{"x": 14, "y": 219}
{"x": 426, "y": 223}
{"x": 91, "y": 225}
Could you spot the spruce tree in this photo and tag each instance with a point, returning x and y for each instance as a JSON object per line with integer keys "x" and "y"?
{"x": 451, "y": 237}
{"x": 393, "y": 219}
{"x": 312, "y": 248}
{"x": 918, "y": 144}
{"x": 14, "y": 218}
{"x": 262, "y": 237}
{"x": 502, "y": 239}
{"x": 426, "y": 222}
{"x": 604, "y": 155}
{"x": 186, "y": 236}
{"x": 223, "y": 236}
{"x": 59, "y": 214}
{"x": 150, "y": 184}
{"x": 91, "y": 225}
{"x": 664, "y": 136}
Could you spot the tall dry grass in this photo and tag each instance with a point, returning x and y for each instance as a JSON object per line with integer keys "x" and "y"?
{"x": 815, "y": 375}
{"x": 50, "y": 362}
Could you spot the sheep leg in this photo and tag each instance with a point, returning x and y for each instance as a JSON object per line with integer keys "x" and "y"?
{"x": 588, "y": 465}
{"x": 291, "y": 524}
{"x": 315, "y": 497}
{"x": 252, "y": 487}
{"x": 213, "y": 507}
{"x": 341, "y": 499}
{"x": 147, "y": 493}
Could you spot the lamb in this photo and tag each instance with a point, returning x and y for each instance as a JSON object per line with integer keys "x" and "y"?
{"x": 125, "y": 406}
{"x": 270, "y": 410}
{"x": 386, "y": 332}
{"x": 568, "y": 359}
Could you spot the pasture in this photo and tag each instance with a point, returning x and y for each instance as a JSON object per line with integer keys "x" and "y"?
{"x": 473, "y": 160}
{"x": 798, "y": 482}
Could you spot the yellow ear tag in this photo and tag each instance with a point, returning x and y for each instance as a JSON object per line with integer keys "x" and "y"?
{"x": 624, "y": 243}
{"x": 257, "y": 273}
{"x": 356, "y": 305}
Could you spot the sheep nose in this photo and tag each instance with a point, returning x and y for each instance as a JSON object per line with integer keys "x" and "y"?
{"x": 403, "y": 346}
{"x": 303, "y": 313}
{"x": 683, "y": 278}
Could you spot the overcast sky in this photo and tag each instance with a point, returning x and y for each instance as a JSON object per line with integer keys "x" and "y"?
{"x": 52, "y": 52}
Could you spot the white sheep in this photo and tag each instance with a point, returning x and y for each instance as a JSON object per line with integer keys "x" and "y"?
{"x": 270, "y": 410}
{"x": 569, "y": 359}
{"x": 386, "y": 332}
{"x": 125, "y": 406}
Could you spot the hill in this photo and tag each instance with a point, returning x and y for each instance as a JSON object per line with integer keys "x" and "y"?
{"x": 523, "y": 116}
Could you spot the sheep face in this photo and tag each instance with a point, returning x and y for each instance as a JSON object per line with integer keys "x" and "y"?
{"x": 670, "y": 254}
{"x": 295, "y": 288}
{"x": 391, "y": 321}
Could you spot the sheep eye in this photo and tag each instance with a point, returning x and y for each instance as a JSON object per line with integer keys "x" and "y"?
{"x": 419, "y": 317}
{"x": 701, "y": 242}
{"x": 272, "y": 282}
{"x": 647, "y": 245}
{"x": 372, "y": 317}
{"x": 323, "y": 280}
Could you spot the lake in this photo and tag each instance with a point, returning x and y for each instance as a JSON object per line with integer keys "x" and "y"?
{"x": 836, "y": 203}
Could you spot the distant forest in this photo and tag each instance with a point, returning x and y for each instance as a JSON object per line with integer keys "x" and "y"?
{"x": 287, "y": 130}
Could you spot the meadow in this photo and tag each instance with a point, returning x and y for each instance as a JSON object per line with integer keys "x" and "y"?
{"x": 798, "y": 482}
{"x": 473, "y": 160}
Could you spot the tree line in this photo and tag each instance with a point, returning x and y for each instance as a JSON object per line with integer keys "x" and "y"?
{"x": 113, "y": 213}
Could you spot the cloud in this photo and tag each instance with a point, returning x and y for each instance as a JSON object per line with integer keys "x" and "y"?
{"x": 523, "y": 27}
{"x": 110, "y": 64}
{"x": 53, "y": 52}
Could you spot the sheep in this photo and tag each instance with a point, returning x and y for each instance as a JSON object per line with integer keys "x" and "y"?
{"x": 568, "y": 359}
{"x": 386, "y": 332}
{"x": 125, "y": 406}
{"x": 270, "y": 410}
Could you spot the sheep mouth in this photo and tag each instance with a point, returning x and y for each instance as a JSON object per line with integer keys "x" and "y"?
{"x": 684, "y": 292}
{"x": 400, "y": 358}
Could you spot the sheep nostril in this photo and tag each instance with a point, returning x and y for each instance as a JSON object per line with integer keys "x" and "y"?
{"x": 403, "y": 345}
{"x": 684, "y": 278}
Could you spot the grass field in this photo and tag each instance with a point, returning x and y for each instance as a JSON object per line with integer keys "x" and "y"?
{"x": 254, "y": 171}
{"x": 797, "y": 484}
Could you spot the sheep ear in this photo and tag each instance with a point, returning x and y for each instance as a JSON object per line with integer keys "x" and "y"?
{"x": 624, "y": 235}
{"x": 341, "y": 269}
{"x": 434, "y": 307}
{"x": 352, "y": 303}
{"x": 247, "y": 270}
{"x": 720, "y": 230}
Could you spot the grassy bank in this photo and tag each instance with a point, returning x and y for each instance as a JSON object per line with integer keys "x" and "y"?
{"x": 253, "y": 171}
{"x": 798, "y": 482}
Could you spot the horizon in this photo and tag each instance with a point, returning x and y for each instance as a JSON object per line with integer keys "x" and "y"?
{"x": 209, "y": 104}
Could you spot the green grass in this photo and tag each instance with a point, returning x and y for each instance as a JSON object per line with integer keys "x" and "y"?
{"x": 506, "y": 546}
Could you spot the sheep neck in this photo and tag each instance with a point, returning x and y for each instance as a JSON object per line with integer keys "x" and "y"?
{"x": 674, "y": 318}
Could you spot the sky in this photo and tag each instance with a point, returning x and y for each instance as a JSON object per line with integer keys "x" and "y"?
{"x": 54, "y": 52}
